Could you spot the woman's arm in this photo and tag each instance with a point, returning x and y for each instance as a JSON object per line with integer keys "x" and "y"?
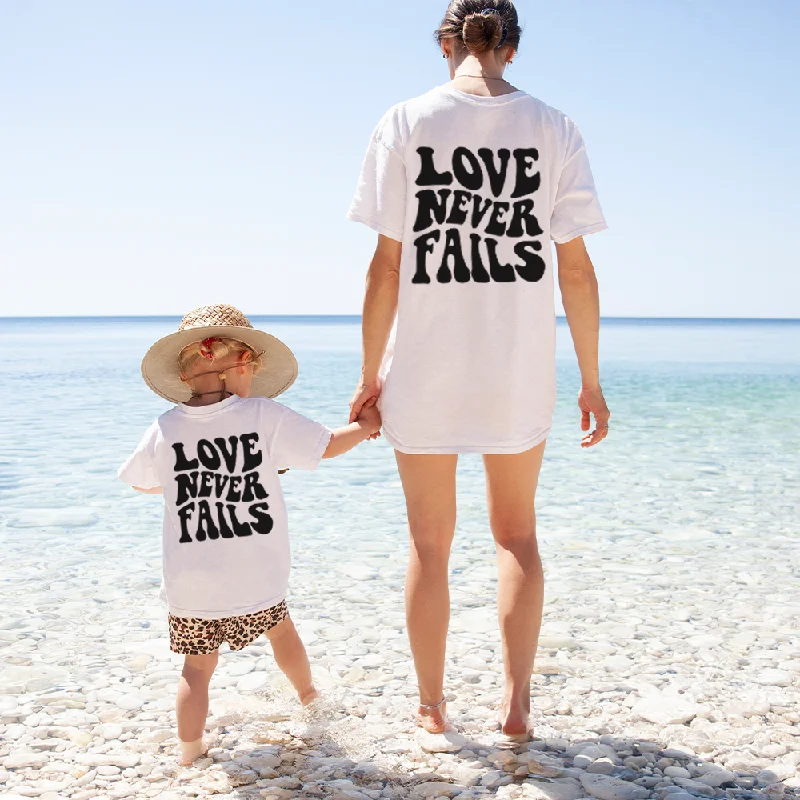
{"x": 154, "y": 490}
{"x": 380, "y": 308}
{"x": 578, "y": 284}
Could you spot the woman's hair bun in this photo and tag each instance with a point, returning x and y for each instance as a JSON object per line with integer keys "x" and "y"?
{"x": 480, "y": 26}
{"x": 482, "y": 32}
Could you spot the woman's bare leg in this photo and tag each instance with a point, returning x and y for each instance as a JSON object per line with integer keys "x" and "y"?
{"x": 511, "y": 482}
{"x": 429, "y": 483}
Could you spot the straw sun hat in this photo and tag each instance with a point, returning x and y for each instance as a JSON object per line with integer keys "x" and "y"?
{"x": 160, "y": 364}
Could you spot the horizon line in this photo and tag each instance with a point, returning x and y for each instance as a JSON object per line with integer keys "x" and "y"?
{"x": 357, "y": 318}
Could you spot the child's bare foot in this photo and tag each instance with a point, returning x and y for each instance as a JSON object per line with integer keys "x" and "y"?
{"x": 433, "y": 718}
{"x": 191, "y": 751}
{"x": 308, "y": 697}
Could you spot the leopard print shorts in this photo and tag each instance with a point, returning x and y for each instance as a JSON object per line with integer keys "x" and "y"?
{"x": 192, "y": 636}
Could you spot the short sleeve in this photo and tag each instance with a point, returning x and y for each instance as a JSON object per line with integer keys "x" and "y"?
{"x": 299, "y": 442}
{"x": 139, "y": 470}
{"x": 576, "y": 210}
{"x": 380, "y": 199}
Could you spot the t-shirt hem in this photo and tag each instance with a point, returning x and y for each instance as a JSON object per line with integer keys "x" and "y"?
{"x": 584, "y": 231}
{"x": 236, "y": 612}
{"x": 466, "y": 449}
{"x": 376, "y": 226}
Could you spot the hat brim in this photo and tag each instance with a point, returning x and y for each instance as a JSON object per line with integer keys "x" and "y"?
{"x": 160, "y": 364}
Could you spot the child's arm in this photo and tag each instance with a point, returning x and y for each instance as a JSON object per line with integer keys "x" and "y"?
{"x": 154, "y": 490}
{"x": 367, "y": 426}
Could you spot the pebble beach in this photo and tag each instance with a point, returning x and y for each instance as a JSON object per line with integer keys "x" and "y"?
{"x": 669, "y": 660}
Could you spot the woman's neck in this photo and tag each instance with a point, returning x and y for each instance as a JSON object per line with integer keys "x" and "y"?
{"x": 487, "y": 66}
{"x": 480, "y": 76}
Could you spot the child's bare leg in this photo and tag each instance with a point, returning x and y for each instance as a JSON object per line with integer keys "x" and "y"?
{"x": 290, "y": 656}
{"x": 192, "y": 704}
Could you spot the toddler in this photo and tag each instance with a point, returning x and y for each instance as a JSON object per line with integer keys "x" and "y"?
{"x": 216, "y": 457}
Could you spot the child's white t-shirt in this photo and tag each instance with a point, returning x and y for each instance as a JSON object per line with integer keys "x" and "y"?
{"x": 225, "y": 533}
{"x": 475, "y": 188}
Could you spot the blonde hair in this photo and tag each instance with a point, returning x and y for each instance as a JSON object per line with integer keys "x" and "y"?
{"x": 214, "y": 349}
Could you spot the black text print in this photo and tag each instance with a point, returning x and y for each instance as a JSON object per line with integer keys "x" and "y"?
{"x": 208, "y": 491}
{"x": 473, "y": 256}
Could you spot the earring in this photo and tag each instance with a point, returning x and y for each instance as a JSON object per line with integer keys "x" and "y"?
{"x": 444, "y": 55}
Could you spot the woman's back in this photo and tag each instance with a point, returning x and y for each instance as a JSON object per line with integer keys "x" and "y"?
{"x": 474, "y": 187}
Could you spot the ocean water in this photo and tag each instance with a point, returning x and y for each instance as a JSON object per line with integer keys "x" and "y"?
{"x": 703, "y": 417}
{"x": 702, "y": 433}
{"x": 697, "y": 486}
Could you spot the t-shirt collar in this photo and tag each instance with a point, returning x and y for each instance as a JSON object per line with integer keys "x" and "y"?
{"x": 496, "y": 100}
{"x": 207, "y": 411}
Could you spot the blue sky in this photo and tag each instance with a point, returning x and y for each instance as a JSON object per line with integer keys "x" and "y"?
{"x": 155, "y": 156}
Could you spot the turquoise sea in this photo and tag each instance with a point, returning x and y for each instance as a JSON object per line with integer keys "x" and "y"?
{"x": 703, "y": 423}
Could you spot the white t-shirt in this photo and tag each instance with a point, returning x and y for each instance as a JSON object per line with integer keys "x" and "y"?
{"x": 475, "y": 188}
{"x": 225, "y": 533}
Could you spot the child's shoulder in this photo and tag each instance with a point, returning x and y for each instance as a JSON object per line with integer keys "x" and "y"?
{"x": 268, "y": 411}
{"x": 262, "y": 404}
{"x": 273, "y": 413}
{"x": 265, "y": 403}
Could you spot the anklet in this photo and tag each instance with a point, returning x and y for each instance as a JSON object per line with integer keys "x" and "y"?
{"x": 433, "y": 708}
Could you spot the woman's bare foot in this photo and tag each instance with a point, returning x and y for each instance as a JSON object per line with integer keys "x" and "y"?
{"x": 308, "y": 697}
{"x": 191, "y": 751}
{"x": 515, "y": 722}
{"x": 433, "y": 718}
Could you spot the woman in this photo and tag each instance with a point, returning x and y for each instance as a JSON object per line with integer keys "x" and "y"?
{"x": 465, "y": 186}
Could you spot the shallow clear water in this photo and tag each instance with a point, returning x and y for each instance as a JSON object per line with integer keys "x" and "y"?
{"x": 702, "y": 425}
{"x": 697, "y": 484}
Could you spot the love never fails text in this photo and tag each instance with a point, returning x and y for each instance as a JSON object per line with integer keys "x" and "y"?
{"x": 466, "y": 206}
{"x": 210, "y": 496}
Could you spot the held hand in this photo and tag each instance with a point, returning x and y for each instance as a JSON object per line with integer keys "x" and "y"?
{"x": 365, "y": 391}
{"x": 591, "y": 402}
{"x": 370, "y": 417}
